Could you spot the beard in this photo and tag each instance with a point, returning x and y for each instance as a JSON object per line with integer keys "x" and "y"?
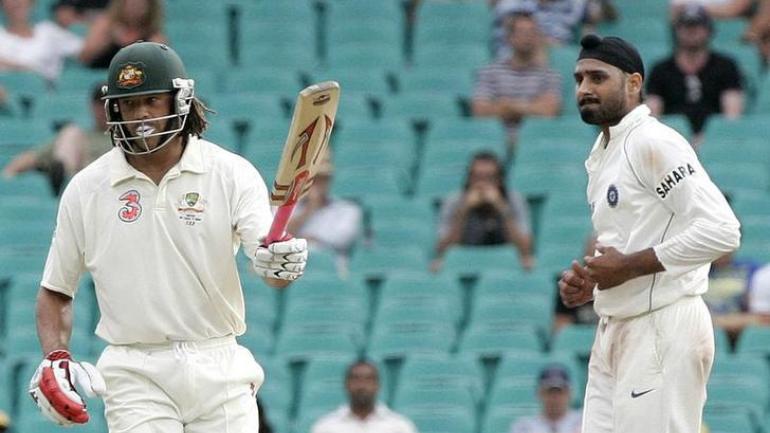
{"x": 608, "y": 112}
{"x": 362, "y": 400}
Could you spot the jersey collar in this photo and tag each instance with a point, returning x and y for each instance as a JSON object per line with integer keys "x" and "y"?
{"x": 192, "y": 160}
{"x": 629, "y": 120}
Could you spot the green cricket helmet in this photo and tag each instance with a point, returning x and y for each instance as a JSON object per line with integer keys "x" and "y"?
{"x": 146, "y": 68}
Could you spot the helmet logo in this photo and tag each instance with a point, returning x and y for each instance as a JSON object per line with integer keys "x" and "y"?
{"x": 131, "y": 75}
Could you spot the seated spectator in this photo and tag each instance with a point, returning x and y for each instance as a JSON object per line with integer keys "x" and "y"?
{"x": 559, "y": 20}
{"x": 363, "y": 413}
{"x": 124, "y": 22}
{"x": 720, "y": 9}
{"x": 485, "y": 212}
{"x": 727, "y": 296}
{"x": 5, "y": 421}
{"x": 739, "y": 295}
{"x": 695, "y": 81}
{"x": 40, "y": 48}
{"x": 520, "y": 86}
{"x": 554, "y": 393}
{"x": 327, "y": 222}
{"x": 71, "y": 149}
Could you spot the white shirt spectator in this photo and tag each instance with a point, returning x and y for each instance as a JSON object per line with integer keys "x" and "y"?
{"x": 759, "y": 297}
{"x": 382, "y": 420}
{"x": 570, "y": 423}
{"x": 44, "y": 52}
{"x": 334, "y": 226}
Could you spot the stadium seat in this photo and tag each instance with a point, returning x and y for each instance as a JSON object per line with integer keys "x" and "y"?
{"x": 379, "y": 262}
{"x": 441, "y": 421}
{"x": 550, "y": 150}
{"x": 259, "y": 340}
{"x": 440, "y": 176}
{"x": 255, "y": 80}
{"x": 370, "y": 29}
{"x": 324, "y": 290}
{"x": 452, "y": 22}
{"x": 403, "y": 289}
{"x": 489, "y": 341}
{"x": 362, "y": 182}
{"x": 436, "y": 78}
{"x": 366, "y": 55}
{"x": 5, "y": 385}
{"x": 534, "y": 129}
{"x": 739, "y": 422}
{"x": 398, "y": 209}
{"x": 424, "y": 106}
{"x": 735, "y": 395}
{"x": 390, "y": 234}
{"x": 302, "y": 343}
{"x": 539, "y": 180}
{"x": 575, "y": 339}
{"x": 534, "y": 310}
{"x": 475, "y": 260}
{"x": 507, "y": 285}
{"x": 734, "y": 177}
{"x": 323, "y": 386}
{"x": 515, "y": 380}
{"x": 462, "y": 59}
{"x": 754, "y": 340}
{"x": 499, "y": 419}
{"x": 353, "y": 80}
{"x": 276, "y": 391}
{"x": 401, "y": 339}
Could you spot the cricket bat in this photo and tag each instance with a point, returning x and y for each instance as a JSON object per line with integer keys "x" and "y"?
{"x": 306, "y": 144}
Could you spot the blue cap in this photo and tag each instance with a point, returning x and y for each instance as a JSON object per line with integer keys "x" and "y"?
{"x": 554, "y": 376}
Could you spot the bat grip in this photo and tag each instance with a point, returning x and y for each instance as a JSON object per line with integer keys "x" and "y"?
{"x": 277, "y": 231}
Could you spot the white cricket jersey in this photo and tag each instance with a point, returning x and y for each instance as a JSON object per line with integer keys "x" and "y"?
{"x": 162, "y": 257}
{"x": 646, "y": 188}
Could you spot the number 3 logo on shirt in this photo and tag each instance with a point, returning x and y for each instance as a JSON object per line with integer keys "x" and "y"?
{"x": 131, "y": 209}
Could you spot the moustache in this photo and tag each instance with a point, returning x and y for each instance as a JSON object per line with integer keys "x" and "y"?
{"x": 585, "y": 101}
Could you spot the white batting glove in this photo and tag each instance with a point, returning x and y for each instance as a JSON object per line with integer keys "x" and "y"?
{"x": 53, "y": 388}
{"x": 282, "y": 260}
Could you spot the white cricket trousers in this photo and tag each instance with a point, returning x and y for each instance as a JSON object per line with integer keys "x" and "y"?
{"x": 648, "y": 374}
{"x": 182, "y": 387}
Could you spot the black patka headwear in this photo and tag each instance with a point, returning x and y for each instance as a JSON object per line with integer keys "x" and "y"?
{"x": 612, "y": 50}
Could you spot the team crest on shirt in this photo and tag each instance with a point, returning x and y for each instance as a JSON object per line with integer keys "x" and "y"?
{"x": 190, "y": 208}
{"x": 612, "y": 196}
{"x": 130, "y": 75}
{"x": 131, "y": 209}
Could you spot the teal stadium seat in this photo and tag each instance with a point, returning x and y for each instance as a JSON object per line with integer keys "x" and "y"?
{"x": 366, "y": 55}
{"x": 399, "y": 339}
{"x": 729, "y": 423}
{"x": 78, "y": 79}
{"x": 736, "y": 395}
{"x": 475, "y": 260}
{"x": 452, "y": 23}
{"x": 360, "y": 183}
{"x": 434, "y": 77}
{"x": 367, "y": 81}
{"x": 439, "y": 177}
{"x": 461, "y": 58}
{"x": 423, "y": 106}
{"x": 754, "y": 341}
{"x": 323, "y": 386}
{"x": 489, "y": 341}
{"x": 575, "y": 339}
{"x": 508, "y": 313}
{"x": 405, "y": 290}
{"x": 195, "y": 12}
{"x": 762, "y": 103}
{"x": 735, "y": 177}
{"x": 302, "y": 343}
{"x": 540, "y": 180}
{"x": 258, "y": 339}
{"x": 266, "y": 79}
{"x": 61, "y": 108}
{"x": 442, "y": 421}
{"x": 276, "y": 392}
{"x": 510, "y": 286}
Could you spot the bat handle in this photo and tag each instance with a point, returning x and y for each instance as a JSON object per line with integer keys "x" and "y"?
{"x": 277, "y": 231}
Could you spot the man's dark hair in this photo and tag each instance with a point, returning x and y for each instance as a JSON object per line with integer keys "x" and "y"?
{"x": 488, "y": 156}
{"x": 360, "y": 362}
{"x": 196, "y": 121}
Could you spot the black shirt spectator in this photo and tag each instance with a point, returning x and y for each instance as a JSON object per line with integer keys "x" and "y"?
{"x": 696, "y": 96}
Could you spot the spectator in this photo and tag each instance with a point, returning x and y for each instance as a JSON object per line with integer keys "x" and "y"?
{"x": 558, "y": 19}
{"x": 759, "y": 296}
{"x": 729, "y": 288}
{"x": 553, "y": 390}
{"x": 71, "y": 149}
{"x": 521, "y": 85}
{"x": 741, "y": 295}
{"x": 5, "y": 421}
{"x": 695, "y": 81}
{"x": 40, "y": 48}
{"x": 327, "y": 222}
{"x": 485, "y": 213}
{"x": 363, "y": 414}
{"x": 720, "y": 9}
{"x": 124, "y": 22}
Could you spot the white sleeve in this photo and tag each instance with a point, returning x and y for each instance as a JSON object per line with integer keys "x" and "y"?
{"x": 65, "y": 262}
{"x": 252, "y": 216}
{"x": 668, "y": 165}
